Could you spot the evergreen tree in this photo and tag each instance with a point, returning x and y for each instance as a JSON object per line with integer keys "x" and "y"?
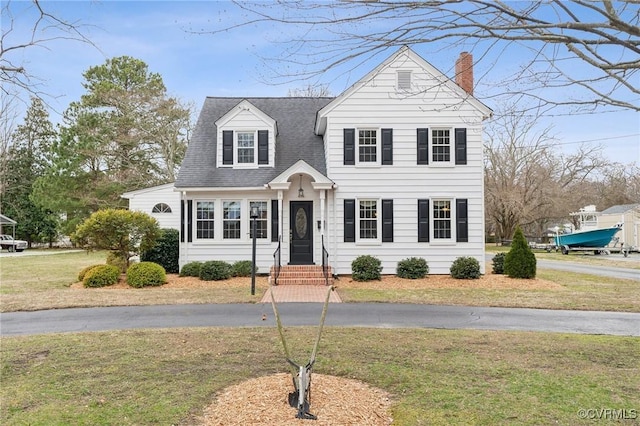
{"x": 520, "y": 262}
{"x": 30, "y": 144}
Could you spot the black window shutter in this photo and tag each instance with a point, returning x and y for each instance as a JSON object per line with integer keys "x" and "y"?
{"x": 227, "y": 147}
{"x": 349, "y": 221}
{"x": 462, "y": 222}
{"x": 387, "y": 147}
{"x": 182, "y": 221}
{"x": 349, "y": 147}
{"x": 263, "y": 147}
{"x": 423, "y": 146}
{"x": 189, "y": 221}
{"x": 423, "y": 221}
{"x": 461, "y": 146}
{"x": 387, "y": 221}
{"x": 274, "y": 221}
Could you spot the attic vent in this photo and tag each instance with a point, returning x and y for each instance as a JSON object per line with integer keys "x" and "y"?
{"x": 404, "y": 80}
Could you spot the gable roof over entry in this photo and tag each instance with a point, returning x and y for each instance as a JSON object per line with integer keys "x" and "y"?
{"x": 296, "y": 140}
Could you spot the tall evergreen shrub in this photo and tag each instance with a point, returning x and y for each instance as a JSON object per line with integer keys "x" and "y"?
{"x": 520, "y": 262}
{"x": 165, "y": 251}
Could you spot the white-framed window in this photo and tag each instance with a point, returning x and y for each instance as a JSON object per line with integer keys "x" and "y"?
{"x": 441, "y": 145}
{"x": 368, "y": 220}
{"x": 368, "y": 146}
{"x": 442, "y": 222}
{"x": 231, "y": 220}
{"x": 246, "y": 147}
{"x": 205, "y": 219}
{"x": 262, "y": 223}
{"x": 161, "y": 208}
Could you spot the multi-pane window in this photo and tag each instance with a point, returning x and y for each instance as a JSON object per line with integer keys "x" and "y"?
{"x": 368, "y": 219}
{"x": 441, "y": 145}
{"x": 367, "y": 146}
{"x": 261, "y": 221}
{"x": 231, "y": 219}
{"x": 205, "y": 219}
{"x": 441, "y": 219}
{"x": 246, "y": 147}
{"x": 161, "y": 208}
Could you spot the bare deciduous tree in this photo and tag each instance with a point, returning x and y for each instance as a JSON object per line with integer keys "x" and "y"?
{"x": 45, "y": 28}
{"x": 528, "y": 181}
{"x": 593, "y": 46}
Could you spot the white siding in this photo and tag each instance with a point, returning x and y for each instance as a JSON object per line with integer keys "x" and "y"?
{"x": 377, "y": 104}
{"x": 145, "y": 199}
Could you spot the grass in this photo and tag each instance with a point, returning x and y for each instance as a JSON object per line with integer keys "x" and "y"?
{"x": 42, "y": 282}
{"x": 436, "y": 377}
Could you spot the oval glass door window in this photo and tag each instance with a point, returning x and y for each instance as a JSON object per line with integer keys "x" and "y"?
{"x": 301, "y": 223}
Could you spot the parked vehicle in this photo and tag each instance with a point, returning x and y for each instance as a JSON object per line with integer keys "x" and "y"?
{"x": 7, "y": 242}
{"x": 592, "y": 239}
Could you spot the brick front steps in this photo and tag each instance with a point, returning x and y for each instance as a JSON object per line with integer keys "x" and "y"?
{"x": 301, "y": 275}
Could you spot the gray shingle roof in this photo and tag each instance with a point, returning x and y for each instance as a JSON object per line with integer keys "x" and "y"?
{"x": 295, "y": 141}
{"x": 619, "y": 209}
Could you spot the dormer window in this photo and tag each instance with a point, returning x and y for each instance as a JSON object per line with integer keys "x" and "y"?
{"x": 246, "y": 147}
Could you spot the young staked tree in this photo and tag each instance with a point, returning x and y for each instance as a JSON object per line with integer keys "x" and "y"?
{"x": 125, "y": 232}
{"x": 520, "y": 262}
{"x": 27, "y": 159}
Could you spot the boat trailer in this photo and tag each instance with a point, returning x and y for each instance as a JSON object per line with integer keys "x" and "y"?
{"x": 301, "y": 374}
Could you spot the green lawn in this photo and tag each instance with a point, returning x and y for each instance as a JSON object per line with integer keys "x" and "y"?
{"x": 436, "y": 377}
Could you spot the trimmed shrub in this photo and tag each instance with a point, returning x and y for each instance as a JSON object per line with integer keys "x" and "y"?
{"x": 115, "y": 258}
{"x": 101, "y": 276}
{"x": 366, "y": 268}
{"x": 412, "y": 268}
{"x": 84, "y": 271}
{"x": 146, "y": 274}
{"x": 498, "y": 263}
{"x": 465, "y": 268}
{"x": 242, "y": 268}
{"x": 191, "y": 269}
{"x": 215, "y": 270}
{"x": 520, "y": 262}
{"x": 165, "y": 251}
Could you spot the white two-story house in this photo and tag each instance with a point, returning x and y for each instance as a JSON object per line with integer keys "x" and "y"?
{"x": 391, "y": 168}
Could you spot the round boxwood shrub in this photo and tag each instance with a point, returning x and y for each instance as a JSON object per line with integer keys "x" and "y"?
{"x": 520, "y": 262}
{"x": 412, "y": 268}
{"x": 498, "y": 263}
{"x": 101, "y": 276}
{"x": 145, "y": 274}
{"x": 215, "y": 270}
{"x": 84, "y": 271}
{"x": 465, "y": 268}
{"x": 165, "y": 251}
{"x": 241, "y": 268}
{"x": 366, "y": 268}
{"x": 191, "y": 269}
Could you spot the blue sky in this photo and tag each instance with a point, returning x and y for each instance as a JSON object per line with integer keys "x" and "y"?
{"x": 230, "y": 64}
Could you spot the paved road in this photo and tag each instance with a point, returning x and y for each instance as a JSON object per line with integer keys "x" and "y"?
{"x": 606, "y": 271}
{"x": 385, "y": 315}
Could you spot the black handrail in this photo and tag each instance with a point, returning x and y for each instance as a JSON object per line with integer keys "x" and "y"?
{"x": 325, "y": 263}
{"x": 276, "y": 264}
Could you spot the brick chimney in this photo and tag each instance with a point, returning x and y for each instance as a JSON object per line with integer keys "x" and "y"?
{"x": 464, "y": 72}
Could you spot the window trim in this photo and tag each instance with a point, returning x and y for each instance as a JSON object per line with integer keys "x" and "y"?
{"x": 197, "y": 220}
{"x": 238, "y": 220}
{"x": 237, "y": 148}
{"x": 266, "y": 219}
{"x": 378, "y": 221}
{"x": 432, "y": 146}
{"x": 378, "y": 147}
{"x": 451, "y": 240}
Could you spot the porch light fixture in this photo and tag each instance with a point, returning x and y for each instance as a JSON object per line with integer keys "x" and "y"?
{"x": 300, "y": 190}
